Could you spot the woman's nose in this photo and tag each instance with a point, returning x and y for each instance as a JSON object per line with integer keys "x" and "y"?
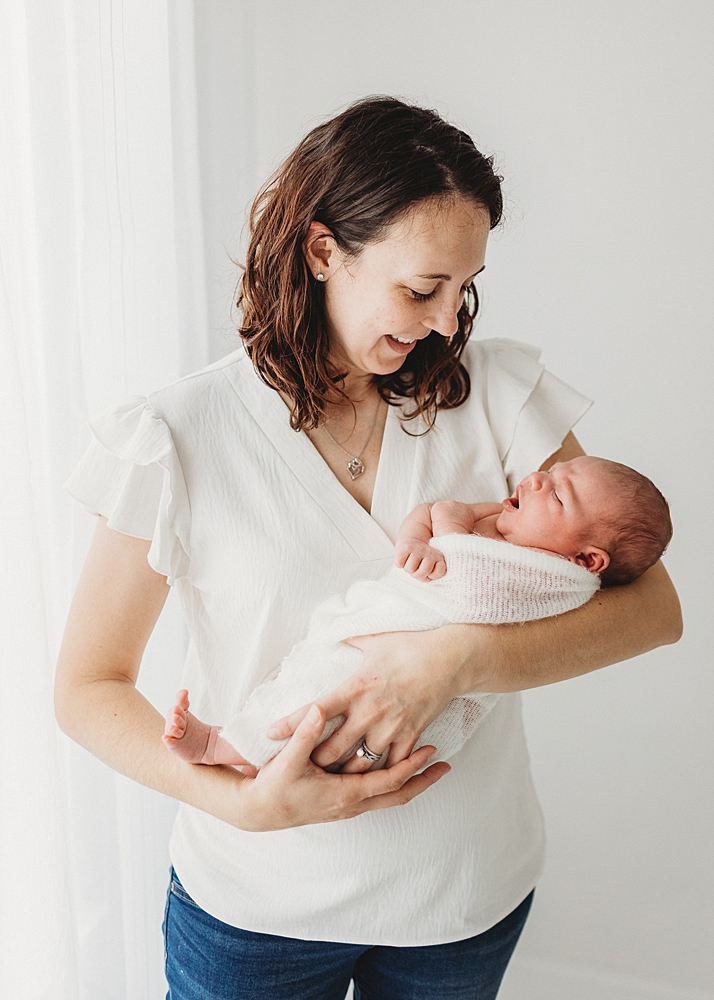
{"x": 445, "y": 319}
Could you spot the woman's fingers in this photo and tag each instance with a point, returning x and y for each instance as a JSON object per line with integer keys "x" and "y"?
{"x": 297, "y": 752}
{"x": 249, "y": 770}
{"x": 286, "y": 726}
{"x": 399, "y": 750}
{"x": 390, "y": 779}
{"x": 339, "y": 745}
{"x": 290, "y": 791}
{"x": 395, "y": 785}
{"x": 358, "y": 764}
{"x": 409, "y": 790}
{"x": 333, "y": 704}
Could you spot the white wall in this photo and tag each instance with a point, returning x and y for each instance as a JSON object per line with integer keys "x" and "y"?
{"x": 600, "y": 115}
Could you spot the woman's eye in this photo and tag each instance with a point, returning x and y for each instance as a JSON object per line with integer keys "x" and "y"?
{"x": 424, "y": 297}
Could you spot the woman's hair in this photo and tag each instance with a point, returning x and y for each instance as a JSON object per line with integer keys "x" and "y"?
{"x": 357, "y": 174}
{"x": 639, "y": 522}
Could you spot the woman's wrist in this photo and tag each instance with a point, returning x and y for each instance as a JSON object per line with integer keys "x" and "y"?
{"x": 614, "y": 625}
{"x": 466, "y": 654}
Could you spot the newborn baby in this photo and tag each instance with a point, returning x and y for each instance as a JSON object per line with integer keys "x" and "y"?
{"x": 582, "y": 523}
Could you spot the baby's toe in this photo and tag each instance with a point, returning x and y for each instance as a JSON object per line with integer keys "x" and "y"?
{"x": 175, "y": 724}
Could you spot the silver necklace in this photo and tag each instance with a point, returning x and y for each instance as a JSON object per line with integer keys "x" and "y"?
{"x": 355, "y": 466}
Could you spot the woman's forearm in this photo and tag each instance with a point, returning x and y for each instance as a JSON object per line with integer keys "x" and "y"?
{"x": 116, "y": 605}
{"x": 614, "y": 625}
{"x": 114, "y": 721}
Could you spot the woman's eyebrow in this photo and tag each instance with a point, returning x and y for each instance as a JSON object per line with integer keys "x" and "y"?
{"x": 445, "y": 277}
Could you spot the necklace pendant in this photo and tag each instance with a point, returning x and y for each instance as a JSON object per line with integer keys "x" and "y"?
{"x": 355, "y": 468}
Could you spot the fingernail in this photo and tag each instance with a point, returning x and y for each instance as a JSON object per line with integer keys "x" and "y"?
{"x": 314, "y": 714}
{"x": 273, "y": 733}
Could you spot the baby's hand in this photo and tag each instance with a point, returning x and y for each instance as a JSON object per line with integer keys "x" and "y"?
{"x": 419, "y": 559}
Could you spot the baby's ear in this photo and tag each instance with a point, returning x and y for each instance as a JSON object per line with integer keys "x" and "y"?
{"x": 592, "y": 558}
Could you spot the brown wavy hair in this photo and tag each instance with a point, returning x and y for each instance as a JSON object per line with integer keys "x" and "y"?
{"x": 357, "y": 174}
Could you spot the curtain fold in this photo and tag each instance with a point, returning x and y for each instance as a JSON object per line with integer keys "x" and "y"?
{"x": 102, "y": 294}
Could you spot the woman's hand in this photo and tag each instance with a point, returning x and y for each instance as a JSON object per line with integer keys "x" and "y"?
{"x": 406, "y": 679}
{"x": 292, "y": 791}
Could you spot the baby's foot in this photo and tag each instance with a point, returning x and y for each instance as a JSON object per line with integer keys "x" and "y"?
{"x": 185, "y": 735}
{"x": 195, "y": 741}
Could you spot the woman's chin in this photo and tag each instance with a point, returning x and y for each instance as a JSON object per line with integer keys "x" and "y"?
{"x": 381, "y": 365}
{"x": 389, "y": 361}
{"x": 384, "y": 362}
{"x": 390, "y": 369}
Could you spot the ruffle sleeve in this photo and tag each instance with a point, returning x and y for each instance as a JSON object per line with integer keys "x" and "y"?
{"x": 530, "y": 410}
{"x": 131, "y": 474}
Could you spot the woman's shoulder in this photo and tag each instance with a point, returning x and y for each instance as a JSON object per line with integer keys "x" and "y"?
{"x": 193, "y": 413}
{"x": 500, "y": 357}
{"x": 529, "y": 410}
{"x": 503, "y": 375}
{"x": 203, "y": 388}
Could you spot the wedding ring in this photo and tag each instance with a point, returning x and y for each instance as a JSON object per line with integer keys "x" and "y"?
{"x": 367, "y": 754}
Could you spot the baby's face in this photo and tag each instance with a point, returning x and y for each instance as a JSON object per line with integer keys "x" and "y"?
{"x": 558, "y": 510}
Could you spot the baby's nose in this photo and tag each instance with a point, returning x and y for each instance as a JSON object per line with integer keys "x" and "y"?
{"x": 537, "y": 480}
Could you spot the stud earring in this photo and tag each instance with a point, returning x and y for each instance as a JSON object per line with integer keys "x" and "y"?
{"x": 320, "y": 276}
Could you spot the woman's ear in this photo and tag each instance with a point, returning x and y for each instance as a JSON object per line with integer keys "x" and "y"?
{"x": 592, "y": 558}
{"x": 321, "y": 251}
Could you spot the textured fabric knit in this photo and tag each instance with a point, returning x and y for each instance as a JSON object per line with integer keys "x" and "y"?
{"x": 254, "y": 530}
{"x": 488, "y": 582}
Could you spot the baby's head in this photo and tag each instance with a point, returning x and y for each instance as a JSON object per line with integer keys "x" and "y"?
{"x": 600, "y": 514}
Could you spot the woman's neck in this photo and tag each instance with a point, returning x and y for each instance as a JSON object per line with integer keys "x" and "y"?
{"x": 350, "y": 441}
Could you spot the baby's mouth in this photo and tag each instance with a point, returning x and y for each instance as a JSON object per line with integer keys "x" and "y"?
{"x": 510, "y": 503}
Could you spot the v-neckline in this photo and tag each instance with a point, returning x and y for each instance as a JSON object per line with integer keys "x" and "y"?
{"x": 393, "y": 483}
{"x": 371, "y": 535}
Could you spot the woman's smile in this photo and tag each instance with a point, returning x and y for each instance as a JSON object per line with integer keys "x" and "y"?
{"x": 400, "y": 344}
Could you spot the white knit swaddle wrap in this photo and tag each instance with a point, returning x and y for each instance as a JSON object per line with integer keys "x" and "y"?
{"x": 488, "y": 582}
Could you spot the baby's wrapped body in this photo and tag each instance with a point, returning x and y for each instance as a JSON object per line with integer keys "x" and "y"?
{"x": 487, "y": 582}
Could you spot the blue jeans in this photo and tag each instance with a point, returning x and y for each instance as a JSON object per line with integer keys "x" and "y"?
{"x": 209, "y": 960}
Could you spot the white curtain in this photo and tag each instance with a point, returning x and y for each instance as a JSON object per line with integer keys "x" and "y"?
{"x": 102, "y": 294}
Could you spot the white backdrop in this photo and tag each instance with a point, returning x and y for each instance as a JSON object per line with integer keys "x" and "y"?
{"x": 102, "y": 294}
{"x": 599, "y": 113}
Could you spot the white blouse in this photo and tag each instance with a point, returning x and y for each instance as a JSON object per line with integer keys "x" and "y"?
{"x": 250, "y": 524}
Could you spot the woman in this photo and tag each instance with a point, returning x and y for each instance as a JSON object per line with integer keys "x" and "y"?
{"x": 280, "y": 475}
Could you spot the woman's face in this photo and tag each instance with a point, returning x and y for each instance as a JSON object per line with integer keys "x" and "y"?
{"x": 399, "y": 290}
